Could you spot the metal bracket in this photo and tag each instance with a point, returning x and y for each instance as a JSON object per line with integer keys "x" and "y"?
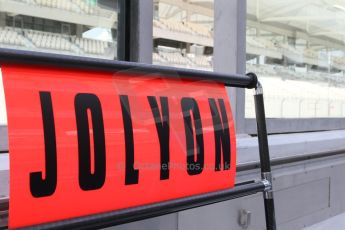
{"x": 267, "y": 180}
{"x": 244, "y": 218}
{"x": 258, "y": 89}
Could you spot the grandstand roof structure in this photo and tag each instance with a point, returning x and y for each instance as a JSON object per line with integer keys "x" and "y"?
{"x": 319, "y": 21}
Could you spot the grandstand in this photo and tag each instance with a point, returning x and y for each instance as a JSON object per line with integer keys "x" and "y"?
{"x": 10, "y": 37}
{"x": 54, "y": 42}
{"x": 48, "y": 40}
{"x": 76, "y": 6}
{"x": 176, "y": 57}
{"x": 276, "y": 53}
{"x": 63, "y": 35}
{"x": 182, "y": 38}
{"x": 182, "y": 27}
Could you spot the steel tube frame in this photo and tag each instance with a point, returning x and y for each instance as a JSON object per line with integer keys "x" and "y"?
{"x": 265, "y": 163}
{"x": 123, "y": 216}
{"x": 66, "y": 61}
{"x": 108, "y": 219}
{"x": 9, "y": 56}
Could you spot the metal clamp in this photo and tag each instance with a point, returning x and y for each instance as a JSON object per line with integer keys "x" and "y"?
{"x": 267, "y": 181}
{"x": 258, "y": 89}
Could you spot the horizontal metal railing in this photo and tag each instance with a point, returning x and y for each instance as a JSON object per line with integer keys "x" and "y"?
{"x": 58, "y": 60}
{"x": 123, "y": 216}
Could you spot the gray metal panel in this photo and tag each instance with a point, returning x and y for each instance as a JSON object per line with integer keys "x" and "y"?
{"x": 334, "y": 223}
{"x": 3, "y": 138}
{"x": 306, "y": 220}
{"x": 288, "y": 125}
{"x": 298, "y": 201}
{"x": 224, "y": 215}
{"x": 303, "y": 192}
{"x": 288, "y": 145}
{"x": 4, "y": 185}
{"x": 167, "y": 222}
{"x": 337, "y": 196}
{"x": 307, "y": 173}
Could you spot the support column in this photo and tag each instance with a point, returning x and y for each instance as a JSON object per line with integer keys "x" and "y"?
{"x": 141, "y": 40}
{"x": 229, "y": 49}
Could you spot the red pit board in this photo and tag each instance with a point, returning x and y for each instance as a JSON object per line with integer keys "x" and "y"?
{"x": 86, "y": 142}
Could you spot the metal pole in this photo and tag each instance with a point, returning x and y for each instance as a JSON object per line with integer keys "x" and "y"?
{"x": 265, "y": 163}
{"x": 21, "y": 57}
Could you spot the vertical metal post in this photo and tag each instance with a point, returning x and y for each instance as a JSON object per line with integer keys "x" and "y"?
{"x": 123, "y": 30}
{"x": 229, "y": 53}
{"x": 135, "y": 25}
{"x": 264, "y": 155}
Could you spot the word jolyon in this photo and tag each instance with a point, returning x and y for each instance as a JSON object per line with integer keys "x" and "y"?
{"x": 83, "y": 102}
